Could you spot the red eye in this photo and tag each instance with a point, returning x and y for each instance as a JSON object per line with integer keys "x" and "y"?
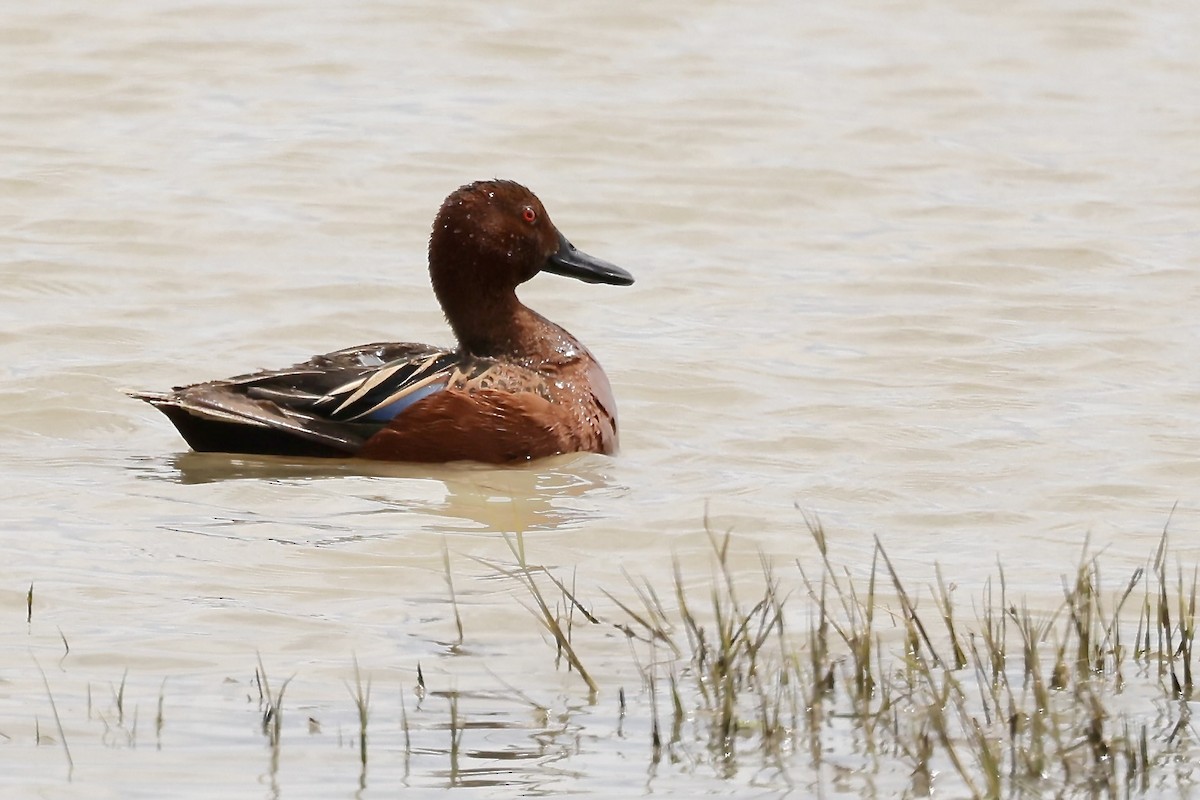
{"x": 529, "y": 215}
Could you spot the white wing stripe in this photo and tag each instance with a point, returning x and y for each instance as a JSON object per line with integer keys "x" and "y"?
{"x": 372, "y": 380}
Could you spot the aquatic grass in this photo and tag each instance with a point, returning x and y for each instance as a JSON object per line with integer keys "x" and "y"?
{"x": 119, "y": 697}
{"x": 362, "y": 704}
{"x": 405, "y": 728}
{"x": 66, "y": 648}
{"x": 453, "y": 599}
{"x": 552, "y": 622}
{"x": 62, "y": 736}
{"x": 1013, "y": 700}
{"x": 456, "y": 735}
{"x": 158, "y": 716}
{"x": 656, "y": 739}
{"x": 115, "y": 732}
{"x": 271, "y": 704}
{"x": 809, "y": 674}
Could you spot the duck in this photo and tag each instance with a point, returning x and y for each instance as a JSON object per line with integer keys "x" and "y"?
{"x": 517, "y": 387}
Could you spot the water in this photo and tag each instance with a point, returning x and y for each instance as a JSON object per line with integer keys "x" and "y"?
{"x": 924, "y": 272}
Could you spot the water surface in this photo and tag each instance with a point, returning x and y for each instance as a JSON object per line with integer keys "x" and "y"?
{"x": 927, "y": 273}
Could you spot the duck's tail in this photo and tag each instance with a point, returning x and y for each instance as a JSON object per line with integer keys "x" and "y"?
{"x": 212, "y": 421}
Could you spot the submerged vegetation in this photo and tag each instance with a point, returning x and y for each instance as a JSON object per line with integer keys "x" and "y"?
{"x": 799, "y": 677}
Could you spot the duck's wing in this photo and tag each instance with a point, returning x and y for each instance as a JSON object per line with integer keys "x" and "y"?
{"x": 362, "y": 385}
{"x": 327, "y": 406}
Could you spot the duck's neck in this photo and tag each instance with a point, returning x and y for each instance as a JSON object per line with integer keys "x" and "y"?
{"x": 501, "y": 326}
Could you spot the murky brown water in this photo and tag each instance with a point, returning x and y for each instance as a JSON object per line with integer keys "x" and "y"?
{"x": 927, "y": 272}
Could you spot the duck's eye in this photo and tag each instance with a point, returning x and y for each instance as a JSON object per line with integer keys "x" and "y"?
{"x": 529, "y": 215}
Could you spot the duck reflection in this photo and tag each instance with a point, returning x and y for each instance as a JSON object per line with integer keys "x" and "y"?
{"x": 548, "y": 494}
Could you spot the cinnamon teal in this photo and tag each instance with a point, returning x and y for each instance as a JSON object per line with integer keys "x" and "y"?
{"x": 517, "y": 387}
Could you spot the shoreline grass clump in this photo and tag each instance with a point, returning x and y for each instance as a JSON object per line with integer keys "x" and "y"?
{"x": 1090, "y": 697}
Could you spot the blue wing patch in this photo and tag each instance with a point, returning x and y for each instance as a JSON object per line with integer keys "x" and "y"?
{"x": 393, "y": 409}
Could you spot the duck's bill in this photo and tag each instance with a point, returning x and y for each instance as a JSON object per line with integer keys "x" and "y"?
{"x": 574, "y": 263}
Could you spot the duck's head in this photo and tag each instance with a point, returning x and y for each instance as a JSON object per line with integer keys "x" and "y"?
{"x": 490, "y": 236}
